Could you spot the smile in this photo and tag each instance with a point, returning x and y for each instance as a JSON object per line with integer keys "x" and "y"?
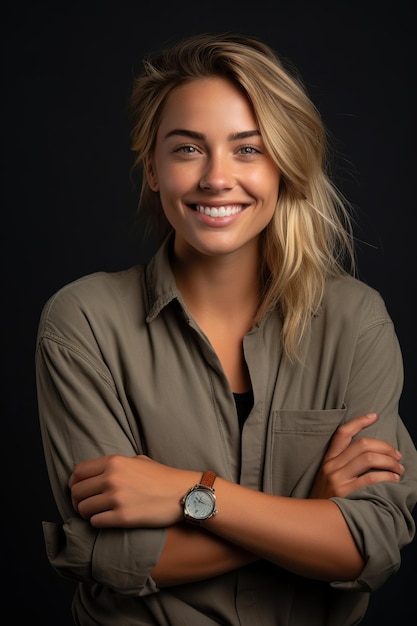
{"x": 221, "y": 211}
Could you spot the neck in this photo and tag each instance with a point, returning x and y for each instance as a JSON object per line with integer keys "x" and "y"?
{"x": 221, "y": 292}
{"x": 218, "y": 284}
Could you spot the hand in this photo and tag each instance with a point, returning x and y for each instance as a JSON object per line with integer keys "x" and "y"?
{"x": 122, "y": 491}
{"x": 349, "y": 465}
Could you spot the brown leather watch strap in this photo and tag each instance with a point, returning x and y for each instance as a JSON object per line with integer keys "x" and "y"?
{"x": 208, "y": 478}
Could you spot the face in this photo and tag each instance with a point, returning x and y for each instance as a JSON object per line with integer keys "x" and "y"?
{"x": 217, "y": 184}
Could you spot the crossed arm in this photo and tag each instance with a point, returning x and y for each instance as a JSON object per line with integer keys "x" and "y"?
{"x": 309, "y": 537}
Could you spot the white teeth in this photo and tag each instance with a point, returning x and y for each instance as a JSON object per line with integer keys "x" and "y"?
{"x": 220, "y": 211}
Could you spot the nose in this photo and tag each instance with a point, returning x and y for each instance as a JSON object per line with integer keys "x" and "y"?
{"x": 218, "y": 174}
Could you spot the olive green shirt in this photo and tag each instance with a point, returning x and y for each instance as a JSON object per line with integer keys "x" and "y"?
{"x": 122, "y": 368}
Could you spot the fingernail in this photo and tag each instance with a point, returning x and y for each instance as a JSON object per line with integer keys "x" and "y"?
{"x": 371, "y": 415}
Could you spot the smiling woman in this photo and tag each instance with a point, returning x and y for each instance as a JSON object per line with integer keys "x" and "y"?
{"x": 226, "y": 415}
{"x": 209, "y": 153}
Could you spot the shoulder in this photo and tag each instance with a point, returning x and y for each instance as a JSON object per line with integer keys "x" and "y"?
{"x": 93, "y": 299}
{"x": 349, "y": 298}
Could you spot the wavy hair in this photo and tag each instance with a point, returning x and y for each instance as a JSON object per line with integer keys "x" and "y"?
{"x": 310, "y": 238}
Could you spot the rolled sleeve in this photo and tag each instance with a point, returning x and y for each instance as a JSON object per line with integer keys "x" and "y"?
{"x": 114, "y": 558}
{"x": 381, "y": 521}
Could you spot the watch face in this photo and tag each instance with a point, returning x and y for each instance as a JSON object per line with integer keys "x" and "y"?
{"x": 200, "y": 504}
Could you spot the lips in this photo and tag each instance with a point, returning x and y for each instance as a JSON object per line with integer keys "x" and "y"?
{"x": 220, "y": 211}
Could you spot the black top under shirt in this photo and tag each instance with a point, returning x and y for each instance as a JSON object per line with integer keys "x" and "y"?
{"x": 244, "y": 404}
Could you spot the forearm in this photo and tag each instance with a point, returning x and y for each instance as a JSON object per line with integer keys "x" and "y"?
{"x": 190, "y": 554}
{"x": 307, "y": 537}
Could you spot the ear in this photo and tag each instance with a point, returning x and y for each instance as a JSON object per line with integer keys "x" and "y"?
{"x": 151, "y": 176}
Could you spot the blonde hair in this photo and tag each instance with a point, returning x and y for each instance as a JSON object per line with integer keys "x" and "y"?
{"x": 310, "y": 236}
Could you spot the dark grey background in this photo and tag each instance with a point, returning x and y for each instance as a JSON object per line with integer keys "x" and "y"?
{"x": 68, "y": 203}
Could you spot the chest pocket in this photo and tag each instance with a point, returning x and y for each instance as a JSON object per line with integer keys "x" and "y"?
{"x": 296, "y": 444}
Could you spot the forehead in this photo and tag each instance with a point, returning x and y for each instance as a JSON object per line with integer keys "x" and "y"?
{"x": 206, "y": 101}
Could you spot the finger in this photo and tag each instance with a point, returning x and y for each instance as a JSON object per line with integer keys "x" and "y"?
{"x": 371, "y": 461}
{"x": 87, "y": 469}
{"x": 370, "y": 478}
{"x": 110, "y": 519}
{"x": 94, "y": 505}
{"x": 86, "y": 489}
{"x": 345, "y": 433}
{"x": 359, "y": 449}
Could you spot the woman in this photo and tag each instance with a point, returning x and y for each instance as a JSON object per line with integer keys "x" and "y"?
{"x": 221, "y": 425}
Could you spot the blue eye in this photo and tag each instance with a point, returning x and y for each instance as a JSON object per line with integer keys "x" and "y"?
{"x": 249, "y": 150}
{"x": 187, "y": 149}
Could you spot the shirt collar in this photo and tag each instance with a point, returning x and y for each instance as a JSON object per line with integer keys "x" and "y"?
{"x": 160, "y": 281}
{"x": 161, "y": 285}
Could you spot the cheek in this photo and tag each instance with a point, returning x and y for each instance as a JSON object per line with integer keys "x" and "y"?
{"x": 175, "y": 181}
{"x": 272, "y": 180}
{"x": 177, "y": 175}
{"x": 174, "y": 184}
{"x": 265, "y": 185}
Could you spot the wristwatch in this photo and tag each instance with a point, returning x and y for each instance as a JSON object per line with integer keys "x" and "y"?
{"x": 200, "y": 502}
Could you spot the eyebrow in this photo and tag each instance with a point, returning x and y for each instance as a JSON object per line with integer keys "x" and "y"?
{"x": 192, "y": 134}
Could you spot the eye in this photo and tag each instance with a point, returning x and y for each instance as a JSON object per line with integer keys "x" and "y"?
{"x": 186, "y": 149}
{"x": 249, "y": 150}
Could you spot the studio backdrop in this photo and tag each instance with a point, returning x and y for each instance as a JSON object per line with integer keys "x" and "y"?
{"x": 68, "y": 202}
